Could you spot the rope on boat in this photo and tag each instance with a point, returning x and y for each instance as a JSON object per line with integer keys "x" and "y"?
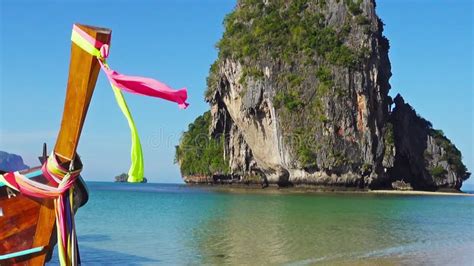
{"x": 132, "y": 84}
{"x": 62, "y": 191}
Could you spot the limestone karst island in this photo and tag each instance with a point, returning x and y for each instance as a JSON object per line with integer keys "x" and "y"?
{"x": 270, "y": 132}
{"x": 299, "y": 95}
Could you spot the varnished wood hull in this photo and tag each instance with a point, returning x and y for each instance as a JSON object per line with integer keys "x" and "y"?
{"x": 27, "y": 222}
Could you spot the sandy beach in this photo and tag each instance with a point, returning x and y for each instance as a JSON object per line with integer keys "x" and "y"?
{"x": 272, "y": 189}
{"x": 417, "y": 192}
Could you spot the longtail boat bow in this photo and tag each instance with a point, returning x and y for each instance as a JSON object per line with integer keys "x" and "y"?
{"x": 37, "y": 205}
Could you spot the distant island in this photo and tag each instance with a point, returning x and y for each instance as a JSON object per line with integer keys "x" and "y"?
{"x": 299, "y": 96}
{"x": 11, "y": 162}
{"x": 122, "y": 178}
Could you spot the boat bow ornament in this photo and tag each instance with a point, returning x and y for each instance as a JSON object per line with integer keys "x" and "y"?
{"x": 132, "y": 84}
{"x": 60, "y": 178}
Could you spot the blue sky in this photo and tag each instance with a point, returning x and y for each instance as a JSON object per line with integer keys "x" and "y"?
{"x": 174, "y": 41}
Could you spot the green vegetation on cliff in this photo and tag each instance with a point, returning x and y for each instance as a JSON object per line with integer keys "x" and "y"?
{"x": 438, "y": 172}
{"x": 256, "y": 28}
{"x": 451, "y": 154}
{"x": 294, "y": 32}
{"x": 198, "y": 153}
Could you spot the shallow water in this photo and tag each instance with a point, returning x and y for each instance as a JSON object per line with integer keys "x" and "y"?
{"x": 149, "y": 224}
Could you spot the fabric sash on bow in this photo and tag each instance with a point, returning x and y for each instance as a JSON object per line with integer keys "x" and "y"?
{"x": 61, "y": 190}
{"x": 132, "y": 84}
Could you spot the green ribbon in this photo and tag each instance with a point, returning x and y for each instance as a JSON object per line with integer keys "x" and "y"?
{"x": 137, "y": 169}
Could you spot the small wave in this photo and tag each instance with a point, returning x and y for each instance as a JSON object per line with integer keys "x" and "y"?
{"x": 418, "y": 251}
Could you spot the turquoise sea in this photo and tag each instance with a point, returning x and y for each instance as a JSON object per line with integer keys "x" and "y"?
{"x": 163, "y": 224}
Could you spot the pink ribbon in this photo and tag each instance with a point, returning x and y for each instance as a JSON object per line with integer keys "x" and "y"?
{"x": 136, "y": 84}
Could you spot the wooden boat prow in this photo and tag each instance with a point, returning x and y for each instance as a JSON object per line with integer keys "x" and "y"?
{"x": 28, "y": 223}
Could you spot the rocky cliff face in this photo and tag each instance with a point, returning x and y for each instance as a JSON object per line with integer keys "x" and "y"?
{"x": 299, "y": 95}
{"x": 11, "y": 162}
{"x": 424, "y": 157}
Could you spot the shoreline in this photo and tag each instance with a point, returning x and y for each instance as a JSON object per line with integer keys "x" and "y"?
{"x": 323, "y": 189}
{"x": 420, "y": 192}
